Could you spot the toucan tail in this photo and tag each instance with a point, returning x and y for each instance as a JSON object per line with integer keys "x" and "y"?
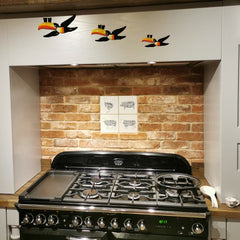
{"x": 119, "y": 37}
{"x": 163, "y": 44}
{"x": 71, "y": 29}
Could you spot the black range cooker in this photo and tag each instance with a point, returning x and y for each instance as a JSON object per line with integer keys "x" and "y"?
{"x": 114, "y": 195}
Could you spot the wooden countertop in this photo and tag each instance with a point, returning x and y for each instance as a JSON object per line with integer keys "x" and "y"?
{"x": 9, "y": 200}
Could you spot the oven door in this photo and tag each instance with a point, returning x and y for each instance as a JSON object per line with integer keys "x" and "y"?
{"x": 133, "y": 236}
{"x": 60, "y": 234}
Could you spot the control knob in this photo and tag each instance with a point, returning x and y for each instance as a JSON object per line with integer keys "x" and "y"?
{"x": 114, "y": 223}
{"x": 52, "y": 220}
{"x": 77, "y": 221}
{"x": 88, "y": 222}
{"x": 128, "y": 224}
{"x": 40, "y": 219}
{"x": 141, "y": 226}
{"x": 101, "y": 223}
{"x": 197, "y": 228}
{"x": 28, "y": 218}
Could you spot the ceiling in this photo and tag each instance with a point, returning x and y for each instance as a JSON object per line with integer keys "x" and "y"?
{"x": 25, "y": 8}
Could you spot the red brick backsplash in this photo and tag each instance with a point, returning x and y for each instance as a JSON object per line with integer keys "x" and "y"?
{"x": 170, "y": 110}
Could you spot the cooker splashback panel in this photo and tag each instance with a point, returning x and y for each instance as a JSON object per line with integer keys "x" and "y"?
{"x": 166, "y": 162}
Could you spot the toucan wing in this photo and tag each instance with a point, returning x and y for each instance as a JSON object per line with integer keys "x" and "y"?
{"x": 102, "y": 39}
{"x": 151, "y": 45}
{"x": 163, "y": 39}
{"x": 52, "y": 34}
{"x": 117, "y": 31}
{"x": 68, "y": 21}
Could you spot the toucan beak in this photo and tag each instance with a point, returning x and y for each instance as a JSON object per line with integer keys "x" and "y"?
{"x": 148, "y": 40}
{"x": 99, "y": 31}
{"x": 46, "y": 25}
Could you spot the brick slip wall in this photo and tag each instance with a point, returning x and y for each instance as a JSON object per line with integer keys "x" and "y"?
{"x": 170, "y": 110}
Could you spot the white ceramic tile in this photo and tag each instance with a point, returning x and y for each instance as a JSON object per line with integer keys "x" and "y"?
{"x": 128, "y": 124}
{"x": 109, "y": 104}
{"x": 109, "y": 123}
{"x": 127, "y": 104}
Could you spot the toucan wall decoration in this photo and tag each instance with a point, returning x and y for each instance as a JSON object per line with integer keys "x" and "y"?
{"x": 55, "y": 27}
{"x": 107, "y": 35}
{"x": 153, "y": 42}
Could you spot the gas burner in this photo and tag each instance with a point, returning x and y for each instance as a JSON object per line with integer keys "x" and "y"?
{"x": 133, "y": 196}
{"x": 90, "y": 193}
{"x": 96, "y": 180}
{"x": 172, "y": 193}
{"x": 135, "y": 182}
{"x": 177, "y": 181}
{"x": 187, "y": 194}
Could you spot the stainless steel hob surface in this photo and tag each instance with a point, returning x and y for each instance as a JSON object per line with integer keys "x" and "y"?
{"x": 113, "y": 188}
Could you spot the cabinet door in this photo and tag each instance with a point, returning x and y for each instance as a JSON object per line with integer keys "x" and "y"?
{"x": 12, "y": 217}
{"x": 233, "y": 226}
{"x": 218, "y": 228}
{"x": 3, "y": 224}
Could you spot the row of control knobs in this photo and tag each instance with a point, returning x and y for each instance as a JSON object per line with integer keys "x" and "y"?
{"x": 77, "y": 221}
{"x": 52, "y": 220}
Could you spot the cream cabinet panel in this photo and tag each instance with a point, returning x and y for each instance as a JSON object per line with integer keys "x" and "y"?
{"x": 233, "y": 229}
{"x": 6, "y": 163}
{"x": 222, "y": 158}
{"x": 218, "y": 228}
{"x": 3, "y": 224}
{"x": 25, "y": 106}
{"x": 13, "y": 224}
{"x": 195, "y": 34}
{"x": 20, "y": 157}
{"x": 12, "y": 217}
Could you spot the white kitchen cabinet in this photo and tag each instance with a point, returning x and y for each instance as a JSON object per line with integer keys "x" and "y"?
{"x": 3, "y": 224}
{"x": 224, "y": 229}
{"x": 222, "y": 96}
{"x": 218, "y": 228}
{"x": 233, "y": 229}
{"x": 13, "y": 224}
{"x": 9, "y": 222}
